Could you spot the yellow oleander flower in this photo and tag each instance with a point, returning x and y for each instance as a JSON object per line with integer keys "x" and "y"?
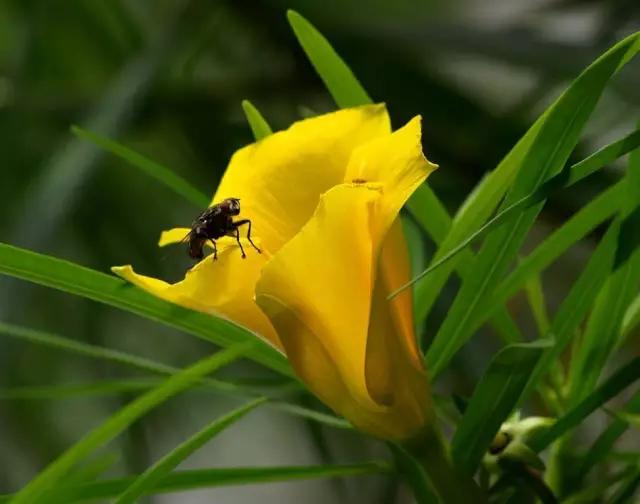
{"x": 324, "y": 198}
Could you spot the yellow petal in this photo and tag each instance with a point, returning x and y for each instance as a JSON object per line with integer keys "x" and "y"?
{"x": 323, "y": 277}
{"x": 396, "y": 162}
{"x": 222, "y": 287}
{"x": 326, "y": 290}
{"x": 279, "y": 180}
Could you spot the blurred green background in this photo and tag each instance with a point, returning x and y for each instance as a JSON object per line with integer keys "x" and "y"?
{"x": 166, "y": 78}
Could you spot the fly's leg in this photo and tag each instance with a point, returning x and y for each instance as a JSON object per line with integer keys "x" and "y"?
{"x": 243, "y": 222}
{"x": 237, "y": 235}
{"x": 215, "y": 249}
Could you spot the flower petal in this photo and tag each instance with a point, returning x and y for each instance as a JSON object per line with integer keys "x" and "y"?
{"x": 222, "y": 287}
{"x": 280, "y": 179}
{"x": 323, "y": 278}
{"x": 331, "y": 289}
{"x": 395, "y": 161}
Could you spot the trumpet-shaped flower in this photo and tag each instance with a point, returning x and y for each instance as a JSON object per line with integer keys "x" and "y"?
{"x": 324, "y": 198}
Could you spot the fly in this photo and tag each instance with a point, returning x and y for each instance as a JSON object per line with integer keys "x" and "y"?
{"x": 215, "y": 222}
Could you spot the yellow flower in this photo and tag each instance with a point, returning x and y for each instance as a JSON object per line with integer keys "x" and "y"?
{"x": 324, "y": 198}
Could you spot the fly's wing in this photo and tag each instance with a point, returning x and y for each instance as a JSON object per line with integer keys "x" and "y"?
{"x": 210, "y": 213}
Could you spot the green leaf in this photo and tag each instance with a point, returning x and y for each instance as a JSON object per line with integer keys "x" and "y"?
{"x": 413, "y": 473}
{"x": 543, "y": 157}
{"x": 564, "y": 179}
{"x": 603, "y": 445}
{"x": 430, "y": 213}
{"x": 145, "y": 483}
{"x": 216, "y": 477}
{"x": 70, "y": 390}
{"x": 91, "y": 284}
{"x": 259, "y": 126}
{"x": 492, "y": 402}
{"x": 161, "y": 173}
{"x": 535, "y": 296}
{"x": 123, "y": 358}
{"x": 578, "y": 302}
{"x": 85, "y": 349}
{"x": 631, "y": 317}
{"x": 598, "y": 210}
{"x": 602, "y": 333}
{"x": 627, "y": 489}
{"x": 336, "y": 75}
{"x": 616, "y": 383}
{"x": 120, "y": 420}
{"x": 524, "y": 478}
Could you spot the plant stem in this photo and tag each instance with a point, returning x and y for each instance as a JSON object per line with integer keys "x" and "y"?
{"x": 452, "y": 486}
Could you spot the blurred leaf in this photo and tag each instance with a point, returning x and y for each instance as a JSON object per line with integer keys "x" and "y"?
{"x": 535, "y": 296}
{"x": 155, "y": 170}
{"x": 616, "y": 383}
{"x": 85, "y": 349}
{"x": 324, "y": 418}
{"x": 492, "y": 402}
{"x": 69, "y": 390}
{"x": 604, "y": 483}
{"x": 527, "y": 480}
{"x": 85, "y": 282}
{"x": 603, "y": 445}
{"x": 598, "y": 210}
{"x": 336, "y": 75}
{"x": 119, "y": 421}
{"x": 543, "y": 157}
{"x": 631, "y": 317}
{"x": 628, "y": 488}
{"x": 259, "y": 126}
{"x": 413, "y": 473}
{"x": 604, "y": 326}
{"x": 148, "y": 480}
{"x": 216, "y": 477}
{"x": 88, "y": 472}
{"x": 127, "y": 359}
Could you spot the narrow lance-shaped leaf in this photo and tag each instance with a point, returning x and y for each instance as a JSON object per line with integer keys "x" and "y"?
{"x": 259, "y": 126}
{"x": 492, "y": 402}
{"x": 91, "y": 284}
{"x": 616, "y": 383}
{"x": 217, "y": 477}
{"x": 601, "y": 335}
{"x": 603, "y": 445}
{"x": 578, "y": 302}
{"x": 545, "y": 156}
{"x": 147, "y": 481}
{"x": 120, "y": 420}
{"x": 155, "y": 170}
{"x": 236, "y": 388}
{"x": 631, "y": 317}
{"x": 337, "y": 76}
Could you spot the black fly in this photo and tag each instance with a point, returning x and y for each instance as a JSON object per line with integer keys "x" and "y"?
{"x": 215, "y": 222}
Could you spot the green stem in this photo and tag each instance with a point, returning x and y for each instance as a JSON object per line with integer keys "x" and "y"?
{"x": 451, "y": 485}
